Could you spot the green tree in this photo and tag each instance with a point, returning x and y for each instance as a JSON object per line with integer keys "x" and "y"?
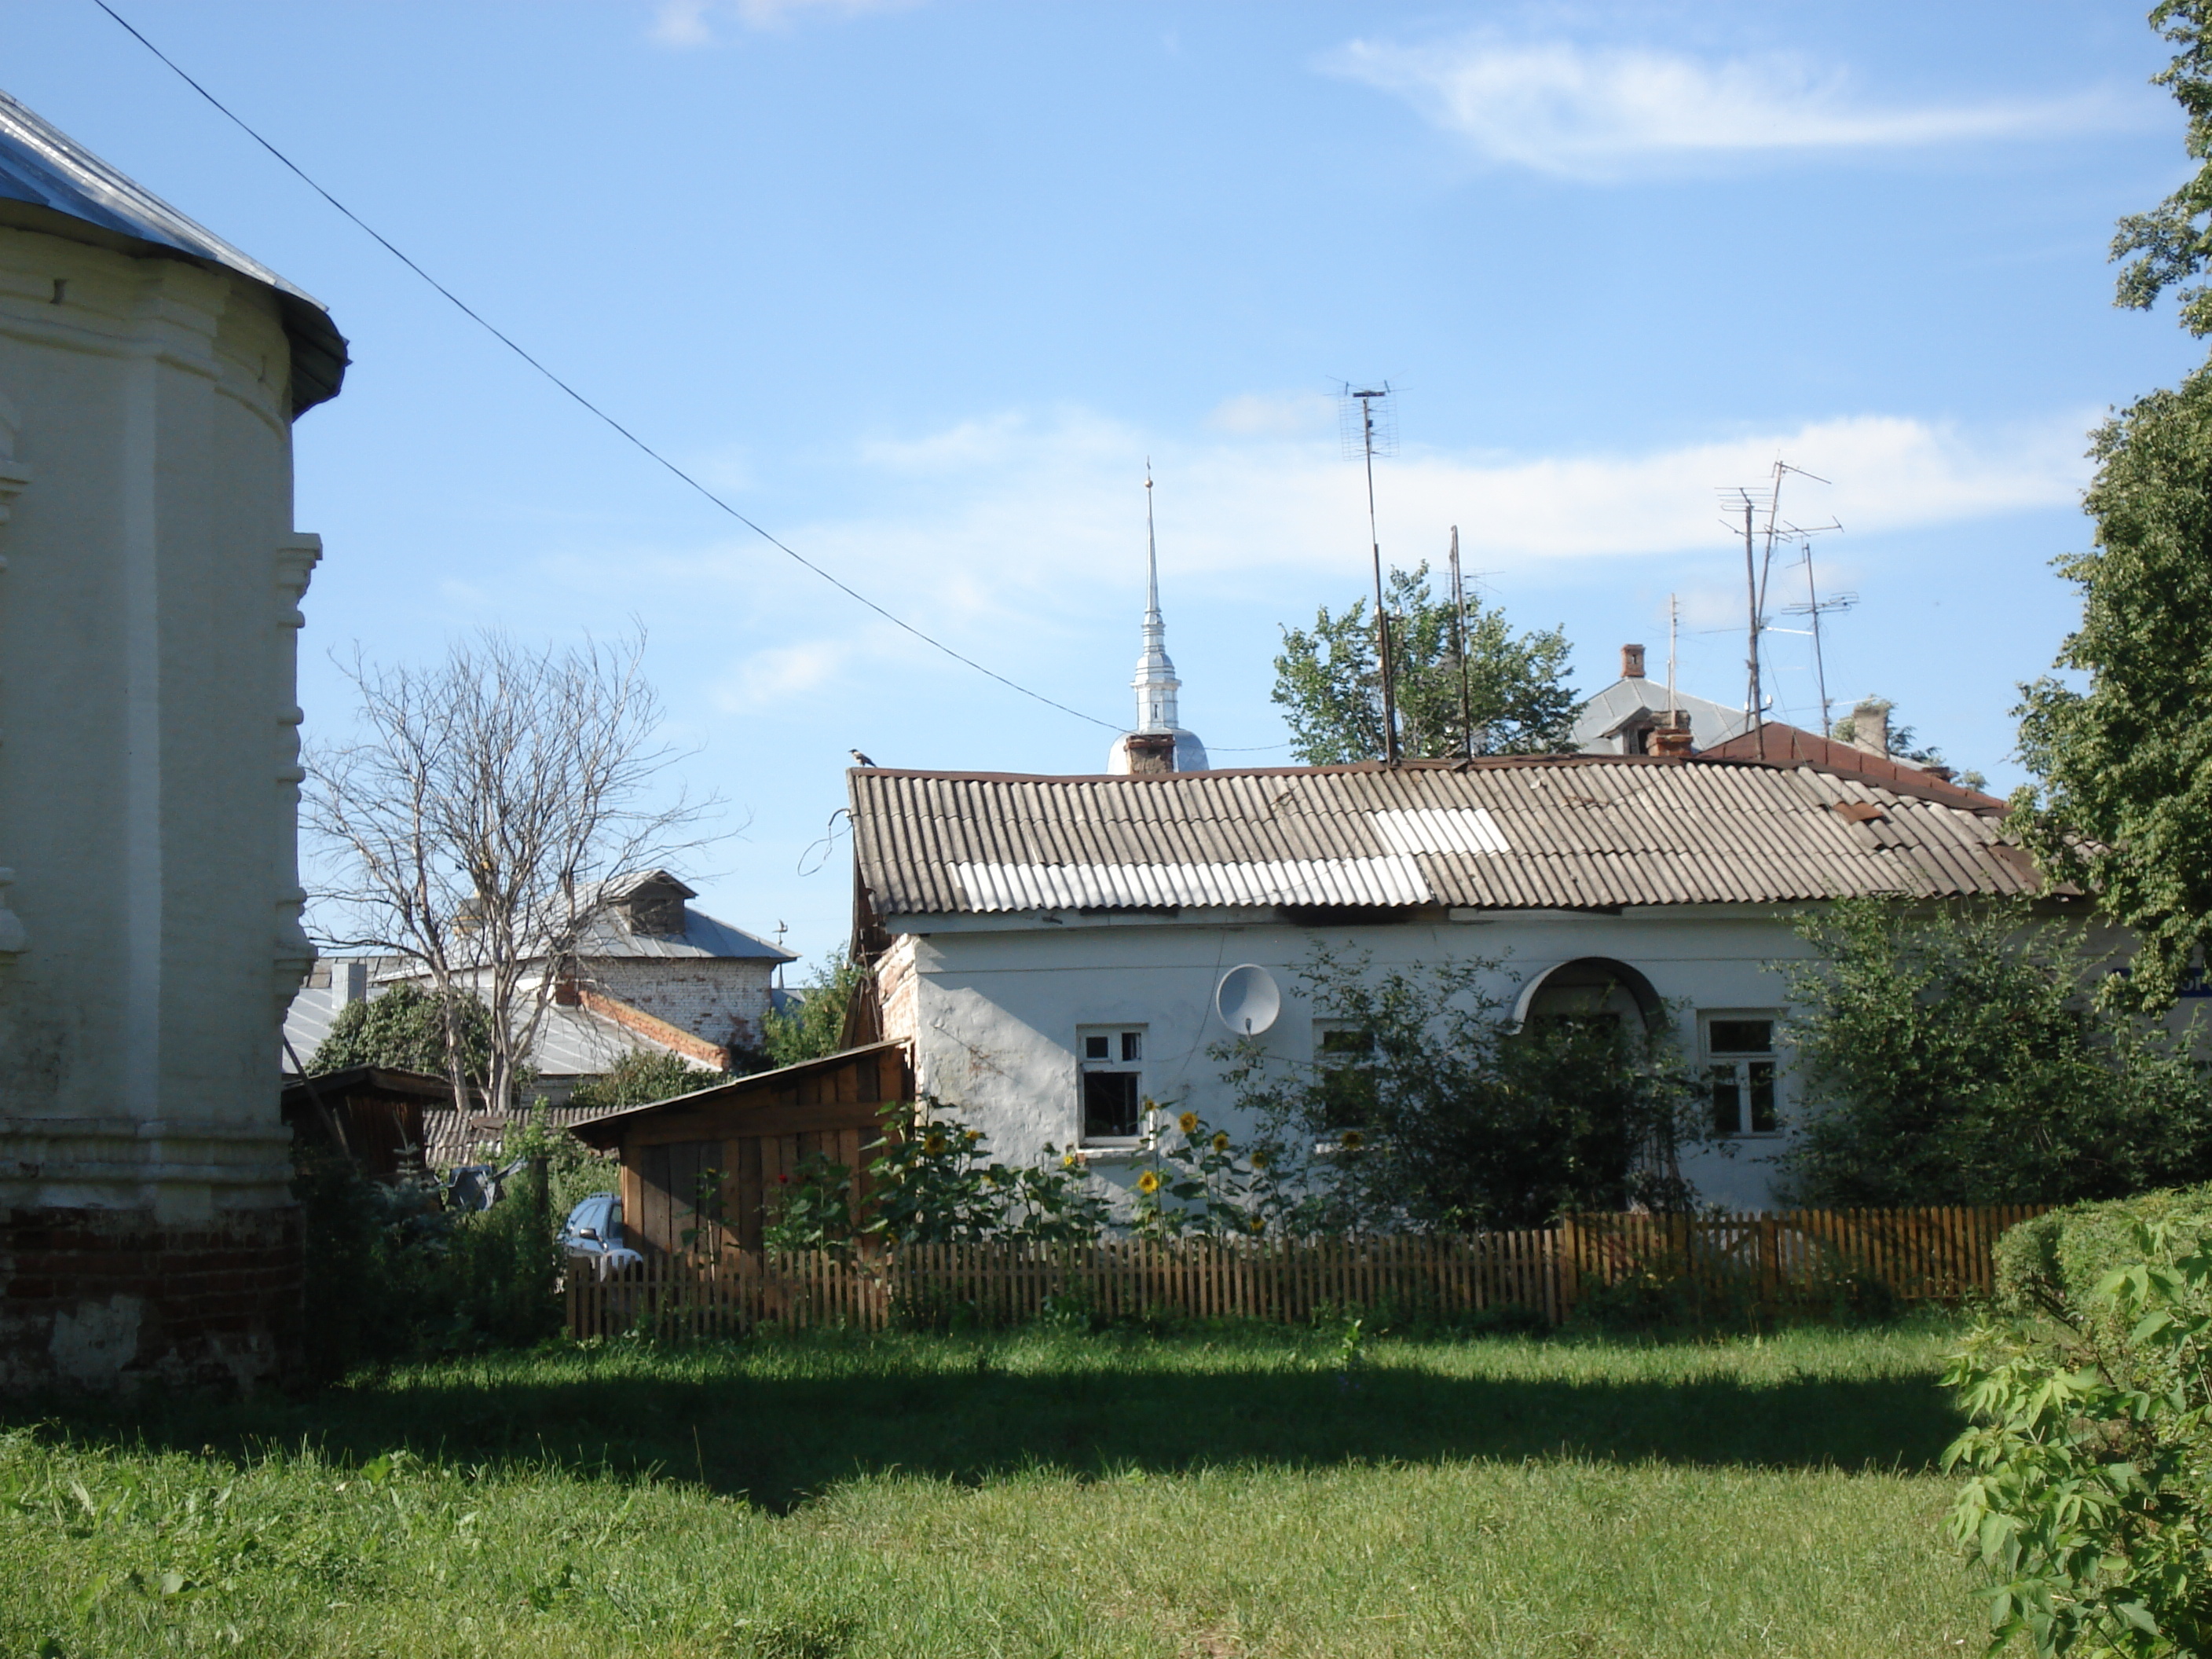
{"x": 2124, "y": 806}
{"x": 1961, "y": 1058}
{"x": 1467, "y": 1121}
{"x": 642, "y": 1077}
{"x": 815, "y": 1026}
{"x": 403, "y": 1028}
{"x": 1516, "y": 688}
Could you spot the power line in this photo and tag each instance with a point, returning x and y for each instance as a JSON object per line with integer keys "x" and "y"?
{"x": 463, "y": 306}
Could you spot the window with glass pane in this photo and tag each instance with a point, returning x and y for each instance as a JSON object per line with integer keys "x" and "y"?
{"x": 1741, "y": 1067}
{"x": 1111, "y": 1080}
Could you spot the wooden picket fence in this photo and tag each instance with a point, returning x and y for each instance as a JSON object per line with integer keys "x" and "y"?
{"x": 1766, "y": 1261}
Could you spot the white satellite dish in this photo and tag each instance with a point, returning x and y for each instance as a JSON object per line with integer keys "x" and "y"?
{"x": 1247, "y": 1000}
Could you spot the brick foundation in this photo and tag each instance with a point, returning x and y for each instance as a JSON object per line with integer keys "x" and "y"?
{"x": 112, "y": 1299}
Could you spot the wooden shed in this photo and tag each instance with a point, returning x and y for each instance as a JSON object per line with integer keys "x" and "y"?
{"x": 735, "y": 1144}
{"x": 372, "y": 1114}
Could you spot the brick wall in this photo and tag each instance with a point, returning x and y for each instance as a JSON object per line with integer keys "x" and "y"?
{"x": 719, "y": 999}
{"x": 112, "y": 1299}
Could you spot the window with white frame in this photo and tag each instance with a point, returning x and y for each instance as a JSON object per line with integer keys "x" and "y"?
{"x": 1110, "y": 1075}
{"x": 1742, "y": 1069}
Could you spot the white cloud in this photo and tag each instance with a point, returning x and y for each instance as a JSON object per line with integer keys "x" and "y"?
{"x": 782, "y": 672}
{"x": 690, "y": 22}
{"x": 1566, "y": 109}
{"x": 1030, "y": 523}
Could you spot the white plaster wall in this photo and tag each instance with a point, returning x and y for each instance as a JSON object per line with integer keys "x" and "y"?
{"x": 148, "y": 777}
{"x": 997, "y": 1007}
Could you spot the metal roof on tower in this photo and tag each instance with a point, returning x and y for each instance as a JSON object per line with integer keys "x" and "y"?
{"x": 50, "y": 183}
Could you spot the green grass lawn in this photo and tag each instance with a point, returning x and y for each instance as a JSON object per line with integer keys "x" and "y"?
{"x": 1026, "y": 1494}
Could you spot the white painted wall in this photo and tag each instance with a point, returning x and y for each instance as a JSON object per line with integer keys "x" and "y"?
{"x": 149, "y": 754}
{"x": 997, "y": 1002}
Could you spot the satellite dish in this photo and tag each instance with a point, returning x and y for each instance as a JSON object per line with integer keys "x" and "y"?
{"x": 1247, "y": 1000}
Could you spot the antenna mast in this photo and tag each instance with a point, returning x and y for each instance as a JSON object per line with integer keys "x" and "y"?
{"x": 1367, "y": 400}
{"x": 1674, "y": 620}
{"x": 1459, "y": 640}
{"x": 1757, "y": 570}
{"x": 1813, "y": 607}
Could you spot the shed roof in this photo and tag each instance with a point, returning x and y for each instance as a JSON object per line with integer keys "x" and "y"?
{"x": 1549, "y": 832}
{"x": 606, "y": 1130}
{"x": 50, "y": 182}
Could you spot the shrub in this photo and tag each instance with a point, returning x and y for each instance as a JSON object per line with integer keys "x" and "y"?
{"x": 2089, "y": 1499}
{"x": 642, "y": 1077}
{"x": 2051, "y": 1263}
{"x": 403, "y": 1028}
{"x": 392, "y": 1274}
{"x": 934, "y": 1182}
{"x": 1436, "y": 1111}
{"x": 1962, "y": 1058}
{"x": 815, "y": 1024}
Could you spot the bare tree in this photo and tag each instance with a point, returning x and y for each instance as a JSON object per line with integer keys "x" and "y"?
{"x": 479, "y": 812}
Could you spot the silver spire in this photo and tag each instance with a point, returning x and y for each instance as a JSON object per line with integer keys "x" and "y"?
{"x": 1156, "y": 683}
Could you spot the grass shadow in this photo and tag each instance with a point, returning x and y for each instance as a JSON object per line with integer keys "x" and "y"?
{"x": 745, "y": 1424}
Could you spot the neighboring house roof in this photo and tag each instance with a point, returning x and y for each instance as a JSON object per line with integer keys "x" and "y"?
{"x": 451, "y": 1138}
{"x": 1627, "y": 699}
{"x": 50, "y": 182}
{"x": 1789, "y": 745}
{"x": 703, "y": 936}
{"x": 1574, "y": 832}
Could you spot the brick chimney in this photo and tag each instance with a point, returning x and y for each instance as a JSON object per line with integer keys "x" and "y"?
{"x": 1870, "y": 726}
{"x": 1150, "y": 753}
{"x": 1632, "y": 662}
{"x": 1671, "y": 735}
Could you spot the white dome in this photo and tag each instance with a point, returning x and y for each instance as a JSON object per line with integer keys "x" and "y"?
{"x": 1189, "y": 753}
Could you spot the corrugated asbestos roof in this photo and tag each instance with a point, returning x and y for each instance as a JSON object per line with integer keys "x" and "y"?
{"x": 1573, "y": 832}
{"x": 51, "y": 173}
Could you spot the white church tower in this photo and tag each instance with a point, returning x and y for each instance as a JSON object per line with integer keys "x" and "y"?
{"x": 150, "y": 579}
{"x": 1158, "y": 743}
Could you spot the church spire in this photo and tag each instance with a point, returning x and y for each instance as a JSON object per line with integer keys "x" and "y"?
{"x": 1156, "y": 683}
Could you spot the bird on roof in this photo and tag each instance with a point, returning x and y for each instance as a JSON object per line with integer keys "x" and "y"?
{"x": 859, "y": 759}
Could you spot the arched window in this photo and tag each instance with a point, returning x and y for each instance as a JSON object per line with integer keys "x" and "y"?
{"x": 1589, "y": 989}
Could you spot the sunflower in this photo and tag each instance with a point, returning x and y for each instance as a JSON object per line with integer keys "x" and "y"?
{"x": 1351, "y": 1141}
{"x": 1259, "y": 1223}
{"x": 1149, "y": 1183}
{"x": 1187, "y": 1123}
{"x": 1069, "y": 1161}
{"x": 1220, "y": 1142}
{"x": 1259, "y": 1160}
{"x": 934, "y": 1143}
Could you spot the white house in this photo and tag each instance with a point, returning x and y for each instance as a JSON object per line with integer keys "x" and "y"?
{"x": 1054, "y": 948}
{"x": 150, "y": 580}
{"x": 653, "y": 974}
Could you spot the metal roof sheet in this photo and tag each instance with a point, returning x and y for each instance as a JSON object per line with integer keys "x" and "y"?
{"x": 46, "y": 168}
{"x": 1574, "y": 832}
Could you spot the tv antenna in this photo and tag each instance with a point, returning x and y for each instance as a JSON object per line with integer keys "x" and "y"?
{"x": 1372, "y": 430}
{"x": 1756, "y": 569}
{"x": 1812, "y": 609}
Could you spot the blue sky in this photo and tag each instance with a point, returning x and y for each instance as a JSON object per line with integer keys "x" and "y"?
{"x": 921, "y": 286}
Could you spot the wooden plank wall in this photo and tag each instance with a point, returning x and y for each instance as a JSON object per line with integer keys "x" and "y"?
{"x": 751, "y": 1142}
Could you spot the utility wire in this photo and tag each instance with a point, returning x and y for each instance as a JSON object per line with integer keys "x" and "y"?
{"x": 648, "y": 449}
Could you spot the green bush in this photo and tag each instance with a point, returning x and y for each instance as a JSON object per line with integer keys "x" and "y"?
{"x": 640, "y": 1077}
{"x": 2051, "y": 1263}
{"x": 815, "y": 1024}
{"x": 392, "y": 1274}
{"x": 403, "y": 1028}
{"x": 1963, "y": 1058}
{"x": 2089, "y": 1500}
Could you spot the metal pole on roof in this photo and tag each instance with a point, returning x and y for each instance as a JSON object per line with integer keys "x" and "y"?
{"x": 1375, "y": 546}
{"x": 1459, "y": 635}
{"x": 1751, "y": 719}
